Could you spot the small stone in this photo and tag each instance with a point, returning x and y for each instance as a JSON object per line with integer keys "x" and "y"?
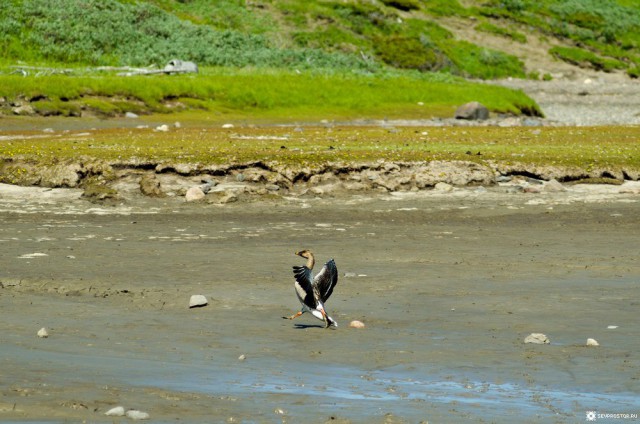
{"x": 43, "y": 333}
{"x": 242, "y": 357}
{"x": 554, "y": 186}
{"x": 612, "y": 327}
{"x": 240, "y": 177}
{"x": 23, "y": 110}
{"x": 279, "y": 411}
{"x": 177, "y": 125}
{"x": 118, "y": 411}
{"x": 130, "y": 115}
{"x": 229, "y": 198}
{"x": 206, "y": 187}
{"x": 194, "y": 194}
{"x": 592, "y": 342}
{"x": 444, "y": 187}
{"x": 356, "y": 324}
{"x": 198, "y": 301}
{"x": 162, "y": 128}
{"x": 137, "y": 415}
{"x": 227, "y": 126}
{"x": 537, "y": 338}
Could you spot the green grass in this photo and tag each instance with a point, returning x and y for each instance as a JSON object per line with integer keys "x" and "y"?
{"x": 504, "y": 32}
{"x": 275, "y": 93}
{"x": 604, "y": 34}
{"x": 586, "y": 58}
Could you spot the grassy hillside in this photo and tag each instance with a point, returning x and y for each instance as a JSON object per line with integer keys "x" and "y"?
{"x": 364, "y": 36}
{"x": 281, "y": 95}
{"x": 365, "y": 53}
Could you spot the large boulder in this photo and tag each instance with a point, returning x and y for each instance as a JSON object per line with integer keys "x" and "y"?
{"x": 472, "y": 111}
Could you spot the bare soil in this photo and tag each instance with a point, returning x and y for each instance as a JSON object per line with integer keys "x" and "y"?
{"x": 447, "y": 284}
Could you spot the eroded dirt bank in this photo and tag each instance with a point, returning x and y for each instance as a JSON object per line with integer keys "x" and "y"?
{"x": 267, "y": 181}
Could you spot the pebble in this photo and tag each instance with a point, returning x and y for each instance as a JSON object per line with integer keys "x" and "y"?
{"x": 163, "y": 128}
{"x": 444, "y": 187}
{"x": 612, "y": 327}
{"x": 537, "y": 338}
{"x": 356, "y": 324}
{"x": 227, "y": 126}
{"x": 42, "y": 333}
{"x": 137, "y": 415}
{"x": 118, "y": 411}
{"x": 592, "y": 342}
{"x": 130, "y": 115}
{"x": 553, "y": 186}
{"x": 197, "y": 300}
{"x": 242, "y": 357}
{"x": 194, "y": 194}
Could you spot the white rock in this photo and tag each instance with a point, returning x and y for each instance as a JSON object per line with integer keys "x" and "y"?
{"x": 592, "y": 342}
{"x": 227, "y": 126}
{"x": 118, "y": 411}
{"x": 537, "y": 338}
{"x": 194, "y": 194}
{"x": 137, "y": 415}
{"x": 242, "y": 357}
{"x": 356, "y": 324}
{"x": 443, "y": 187}
{"x": 130, "y": 115}
{"x": 553, "y": 186}
{"x": 42, "y": 333}
{"x": 197, "y": 300}
{"x": 177, "y": 124}
{"x": 612, "y": 327}
{"x": 163, "y": 128}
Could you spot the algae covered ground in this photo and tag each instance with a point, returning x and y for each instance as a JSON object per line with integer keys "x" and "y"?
{"x": 614, "y": 148}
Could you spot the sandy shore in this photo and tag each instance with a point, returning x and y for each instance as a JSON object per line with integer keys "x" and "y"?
{"x": 447, "y": 284}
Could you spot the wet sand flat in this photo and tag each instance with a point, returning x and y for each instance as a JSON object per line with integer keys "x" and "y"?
{"x": 448, "y": 287}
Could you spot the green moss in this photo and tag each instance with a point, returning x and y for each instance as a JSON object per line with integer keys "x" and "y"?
{"x": 587, "y": 148}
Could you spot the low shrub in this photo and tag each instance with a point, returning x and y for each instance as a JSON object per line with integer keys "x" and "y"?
{"x": 583, "y": 57}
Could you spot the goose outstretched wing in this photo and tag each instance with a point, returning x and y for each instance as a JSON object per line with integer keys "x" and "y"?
{"x": 304, "y": 285}
{"x": 326, "y": 280}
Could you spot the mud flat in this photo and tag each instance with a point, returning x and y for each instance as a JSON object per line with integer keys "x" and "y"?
{"x": 448, "y": 284}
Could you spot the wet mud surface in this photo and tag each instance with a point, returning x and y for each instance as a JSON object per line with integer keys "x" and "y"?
{"x": 448, "y": 286}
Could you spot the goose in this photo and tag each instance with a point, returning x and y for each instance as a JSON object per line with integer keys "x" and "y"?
{"x": 312, "y": 291}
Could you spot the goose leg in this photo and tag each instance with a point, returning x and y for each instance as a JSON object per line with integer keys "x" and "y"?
{"x": 327, "y": 323}
{"x": 296, "y": 315}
